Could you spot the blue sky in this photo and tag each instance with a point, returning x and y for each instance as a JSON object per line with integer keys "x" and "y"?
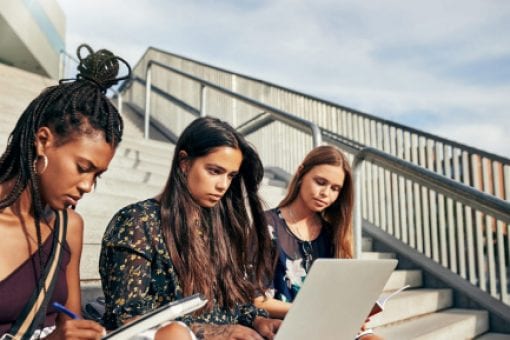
{"x": 440, "y": 66}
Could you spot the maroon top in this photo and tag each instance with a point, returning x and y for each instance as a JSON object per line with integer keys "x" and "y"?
{"x": 17, "y": 288}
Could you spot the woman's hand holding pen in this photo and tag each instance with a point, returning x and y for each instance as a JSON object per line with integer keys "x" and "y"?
{"x": 73, "y": 327}
{"x": 82, "y": 329}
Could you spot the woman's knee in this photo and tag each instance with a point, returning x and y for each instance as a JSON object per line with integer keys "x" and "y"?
{"x": 173, "y": 331}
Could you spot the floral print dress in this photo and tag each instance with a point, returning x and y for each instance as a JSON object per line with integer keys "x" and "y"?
{"x": 295, "y": 256}
{"x": 138, "y": 276}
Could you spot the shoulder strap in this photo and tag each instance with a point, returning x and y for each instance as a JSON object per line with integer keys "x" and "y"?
{"x": 32, "y": 314}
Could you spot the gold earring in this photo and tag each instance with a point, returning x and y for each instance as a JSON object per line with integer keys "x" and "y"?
{"x": 45, "y": 164}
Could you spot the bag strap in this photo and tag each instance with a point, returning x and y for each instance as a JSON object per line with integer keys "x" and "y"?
{"x": 32, "y": 313}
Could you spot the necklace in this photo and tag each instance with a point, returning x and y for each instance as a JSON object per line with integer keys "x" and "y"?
{"x": 294, "y": 227}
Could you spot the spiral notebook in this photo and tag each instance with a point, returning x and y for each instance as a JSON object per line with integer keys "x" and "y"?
{"x": 158, "y": 316}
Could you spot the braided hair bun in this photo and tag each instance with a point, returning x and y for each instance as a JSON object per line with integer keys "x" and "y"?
{"x": 73, "y": 107}
{"x": 100, "y": 67}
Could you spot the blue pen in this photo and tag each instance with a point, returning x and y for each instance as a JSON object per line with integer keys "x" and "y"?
{"x": 64, "y": 310}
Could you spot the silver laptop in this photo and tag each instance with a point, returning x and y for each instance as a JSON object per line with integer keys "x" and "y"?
{"x": 335, "y": 299}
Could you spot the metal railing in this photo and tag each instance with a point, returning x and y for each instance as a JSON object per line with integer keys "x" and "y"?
{"x": 275, "y": 114}
{"x": 474, "y": 167}
{"x": 448, "y": 235}
{"x": 461, "y": 233}
{"x": 66, "y": 72}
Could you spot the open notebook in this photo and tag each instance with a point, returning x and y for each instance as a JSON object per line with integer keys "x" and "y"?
{"x": 335, "y": 299}
{"x": 158, "y": 316}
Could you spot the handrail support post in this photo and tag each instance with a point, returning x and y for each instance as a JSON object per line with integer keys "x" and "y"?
{"x": 203, "y": 97}
{"x": 357, "y": 219}
{"x": 147, "y": 101}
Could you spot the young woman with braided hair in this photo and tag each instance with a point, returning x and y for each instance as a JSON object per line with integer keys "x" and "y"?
{"x": 60, "y": 145}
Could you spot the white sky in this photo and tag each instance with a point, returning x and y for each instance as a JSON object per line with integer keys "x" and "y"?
{"x": 442, "y": 66}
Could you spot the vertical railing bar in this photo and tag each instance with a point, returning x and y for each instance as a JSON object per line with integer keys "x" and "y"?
{"x": 401, "y": 190}
{"x": 369, "y": 179}
{"x": 365, "y": 135}
{"x": 357, "y": 221}
{"x": 387, "y": 178}
{"x": 490, "y": 256}
{"x": 500, "y": 241}
{"x": 433, "y": 204}
{"x": 418, "y": 233}
{"x": 490, "y": 227}
{"x": 440, "y": 158}
{"x": 459, "y": 208}
{"x": 508, "y": 253}
{"x": 479, "y": 225}
{"x": 427, "y": 248}
{"x": 408, "y": 192}
{"x": 468, "y": 179}
{"x": 369, "y": 126}
{"x": 148, "y": 84}
{"x": 448, "y": 159}
{"x": 380, "y": 176}
{"x": 394, "y": 187}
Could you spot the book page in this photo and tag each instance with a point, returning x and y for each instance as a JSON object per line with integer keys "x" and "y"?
{"x": 379, "y": 304}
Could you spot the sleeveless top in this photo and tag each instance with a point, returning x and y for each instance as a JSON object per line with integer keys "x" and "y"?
{"x": 295, "y": 256}
{"x": 16, "y": 289}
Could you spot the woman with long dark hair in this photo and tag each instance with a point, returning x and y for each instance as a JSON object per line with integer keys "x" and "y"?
{"x": 205, "y": 233}
{"x": 62, "y": 142}
{"x": 312, "y": 221}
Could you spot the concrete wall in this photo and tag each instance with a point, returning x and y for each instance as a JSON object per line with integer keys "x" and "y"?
{"x": 32, "y": 33}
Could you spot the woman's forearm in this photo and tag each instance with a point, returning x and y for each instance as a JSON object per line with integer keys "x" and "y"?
{"x": 276, "y": 308}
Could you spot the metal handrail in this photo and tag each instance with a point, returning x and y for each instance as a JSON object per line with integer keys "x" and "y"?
{"x": 275, "y": 114}
{"x": 394, "y": 170}
{"x": 63, "y": 55}
{"x": 467, "y": 148}
{"x": 481, "y": 201}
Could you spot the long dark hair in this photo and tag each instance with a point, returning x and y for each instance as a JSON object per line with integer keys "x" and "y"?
{"x": 338, "y": 214}
{"x": 77, "y": 106}
{"x": 224, "y": 256}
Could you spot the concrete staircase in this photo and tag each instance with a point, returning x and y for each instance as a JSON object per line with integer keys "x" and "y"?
{"x": 139, "y": 170}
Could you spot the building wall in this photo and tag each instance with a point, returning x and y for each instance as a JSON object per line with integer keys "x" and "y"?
{"x": 32, "y": 34}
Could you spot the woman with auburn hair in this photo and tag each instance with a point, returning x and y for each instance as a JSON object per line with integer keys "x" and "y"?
{"x": 193, "y": 238}
{"x": 314, "y": 220}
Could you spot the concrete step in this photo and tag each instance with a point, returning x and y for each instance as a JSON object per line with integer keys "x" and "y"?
{"x": 444, "y": 325}
{"x": 135, "y": 176}
{"x": 95, "y": 225}
{"x": 274, "y": 182}
{"x": 151, "y": 146}
{"x": 412, "y": 303}
{"x": 89, "y": 264}
{"x": 400, "y": 278}
{"x": 126, "y": 163}
{"x": 271, "y": 196}
{"x": 135, "y": 125}
{"x": 90, "y": 290}
{"x": 134, "y": 190}
{"x": 377, "y": 256}
{"x": 140, "y": 149}
{"x": 366, "y": 244}
{"x": 163, "y": 157}
{"x": 103, "y": 204}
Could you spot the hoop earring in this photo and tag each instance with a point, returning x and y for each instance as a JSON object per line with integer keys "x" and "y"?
{"x": 45, "y": 164}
